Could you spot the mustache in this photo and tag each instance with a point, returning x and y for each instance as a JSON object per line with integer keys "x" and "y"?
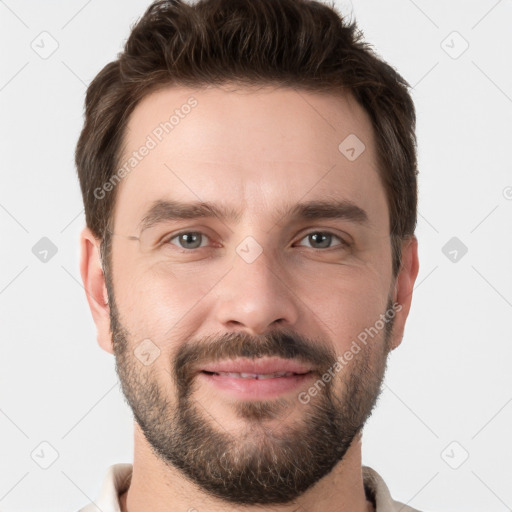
{"x": 283, "y": 344}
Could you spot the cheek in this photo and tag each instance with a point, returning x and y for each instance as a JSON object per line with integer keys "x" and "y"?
{"x": 349, "y": 303}
{"x": 157, "y": 304}
{"x": 350, "y": 317}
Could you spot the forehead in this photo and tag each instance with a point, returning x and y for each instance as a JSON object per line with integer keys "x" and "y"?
{"x": 252, "y": 149}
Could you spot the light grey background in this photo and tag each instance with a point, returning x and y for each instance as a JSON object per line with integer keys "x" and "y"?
{"x": 448, "y": 390}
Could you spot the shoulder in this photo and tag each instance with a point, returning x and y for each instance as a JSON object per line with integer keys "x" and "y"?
{"x": 115, "y": 482}
{"x": 378, "y": 492}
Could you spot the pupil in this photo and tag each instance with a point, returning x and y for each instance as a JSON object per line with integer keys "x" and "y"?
{"x": 321, "y": 235}
{"x": 186, "y": 238}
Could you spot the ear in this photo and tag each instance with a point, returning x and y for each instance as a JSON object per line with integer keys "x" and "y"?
{"x": 404, "y": 284}
{"x": 95, "y": 287}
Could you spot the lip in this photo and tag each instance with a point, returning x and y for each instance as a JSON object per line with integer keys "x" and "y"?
{"x": 252, "y": 388}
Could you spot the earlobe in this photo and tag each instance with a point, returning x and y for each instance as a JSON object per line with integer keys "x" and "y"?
{"x": 404, "y": 285}
{"x": 95, "y": 288}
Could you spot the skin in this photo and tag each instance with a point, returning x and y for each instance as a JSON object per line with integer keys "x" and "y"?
{"x": 265, "y": 148}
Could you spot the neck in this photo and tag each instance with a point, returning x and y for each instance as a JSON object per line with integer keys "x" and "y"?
{"x": 156, "y": 487}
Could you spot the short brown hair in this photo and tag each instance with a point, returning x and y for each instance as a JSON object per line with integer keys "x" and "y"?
{"x": 301, "y": 44}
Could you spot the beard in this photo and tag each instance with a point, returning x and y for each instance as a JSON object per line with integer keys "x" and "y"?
{"x": 259, "y": 464}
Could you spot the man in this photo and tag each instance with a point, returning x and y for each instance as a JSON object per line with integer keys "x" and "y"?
{"x": 269, "y": 137}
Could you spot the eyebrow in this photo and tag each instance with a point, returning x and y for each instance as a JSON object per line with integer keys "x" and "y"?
{"x": 165, "y": 210}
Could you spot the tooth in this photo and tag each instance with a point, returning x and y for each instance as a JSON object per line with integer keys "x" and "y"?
{"x": 244, "y": 375}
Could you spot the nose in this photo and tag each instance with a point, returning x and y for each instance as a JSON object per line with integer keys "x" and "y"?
{"x": 256, "y": 297}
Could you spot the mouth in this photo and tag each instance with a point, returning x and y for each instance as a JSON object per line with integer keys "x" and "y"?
{"x": 265, "y": 366}
{"x": 258, "y": 379}
{"x": 258, "y": 376}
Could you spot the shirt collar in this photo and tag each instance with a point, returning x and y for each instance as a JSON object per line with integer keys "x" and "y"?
{"x": 118, "y": 477}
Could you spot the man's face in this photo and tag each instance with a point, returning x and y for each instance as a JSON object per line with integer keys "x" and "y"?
{"x": 224, "y": 335}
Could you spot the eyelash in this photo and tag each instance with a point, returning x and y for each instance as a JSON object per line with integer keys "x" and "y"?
{"x": 344, "y": 244}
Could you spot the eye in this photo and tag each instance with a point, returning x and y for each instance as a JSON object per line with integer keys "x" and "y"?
{"x": 189, "y": 239}
{"x": 323, "y": 239}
